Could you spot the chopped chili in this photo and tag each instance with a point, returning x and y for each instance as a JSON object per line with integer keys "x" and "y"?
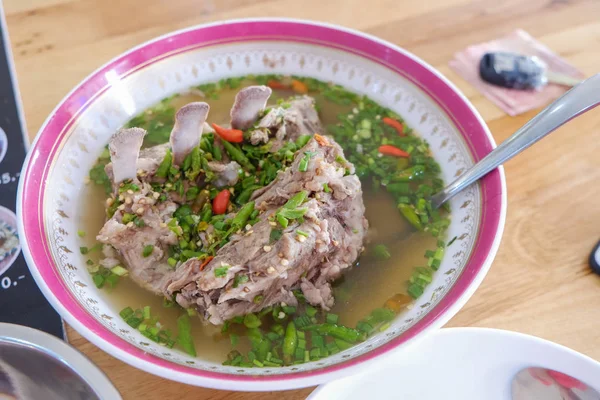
{"x": 299, "y": 87}
{"x": 394, "y": 124}
{"x": 205, "y": 262}
{"x": 277, "y": 85}
{"x": 390, "y": 150}
{"x": 230, "y": 135}
{"x": 220, "y": 202}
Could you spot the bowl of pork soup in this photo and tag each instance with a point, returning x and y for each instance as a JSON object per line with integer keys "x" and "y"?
{"x": 244, "y": 205}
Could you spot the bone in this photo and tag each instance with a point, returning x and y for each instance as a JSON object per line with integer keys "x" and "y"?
{"x": 189, "y": 123}
{"x": 249, "y": 102}
{"x": 124, "y": 147}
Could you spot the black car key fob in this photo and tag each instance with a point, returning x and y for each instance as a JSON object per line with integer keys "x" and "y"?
{"x": 512, "y": 70}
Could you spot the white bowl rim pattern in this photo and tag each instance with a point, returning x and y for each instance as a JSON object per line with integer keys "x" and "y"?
{"x": 455, "y": 106}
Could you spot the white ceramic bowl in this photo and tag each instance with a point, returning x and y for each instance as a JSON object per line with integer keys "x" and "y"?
{"x": 489, "y": 361}
{"x": 68, "y": 143}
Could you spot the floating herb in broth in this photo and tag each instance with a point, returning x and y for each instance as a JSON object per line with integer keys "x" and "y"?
{"x": 405, "y": 243}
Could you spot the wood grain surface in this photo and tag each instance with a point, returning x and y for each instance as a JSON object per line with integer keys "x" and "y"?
{"x": 540, "y": 282}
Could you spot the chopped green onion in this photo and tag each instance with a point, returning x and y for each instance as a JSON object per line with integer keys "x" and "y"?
{"x": 340, "y": 332}
{"x": 192, "y": 193}
{"x": 240, "y": 279}
{"x": 258, "y": 299}
{"x": 301, "y": 343}
{"x": 237, "y": 155}
{"x": 271, "y": 364}
{"x": 318, "y": 341}
{"x": 439, "y": 253}
{"x": 185, "y": 338}
{"x": 239, "y": 221}
{"x": 291, "y": 214}
{"x": 332, "y": 348}
{"x": 127, "y": 218}
{"x": 278, "y": 329}
{"x": 149, "y": 249}
{"x": 275, "y": 235}
{"x": 315, "y": 353}
{"x": 342, "y": 344}
{"x": 283, "y": 221}
{"x": 288, "y": 310}
{"x": 257, "y": 363}
{"x": 303, "y": 140}
{"x": 410, "y": 214}
{"x": 364, "y": 327}
{"x": 290, "y": 342}
{"x": 382, "y": 314}
{"x": 252, "y": 321}
{"x": 296, "y": 200}
{"x": 382, "y": 252}
{"x": 165, "y": 165}
{"x": 221, "y": 271}
{"x": 85, "y": 250}
{"x": 182, "y": 212}
{"x": 126, "y": 312}
{"x": 384, "y": 327}
{"x": 415, "y": 290}
{"x": 332, "y": 318}
{"x": 118, "y": 270}
{"x": 98, "y": 280}
{"x": 311, "y": 311}
{"x": 303, "y": 165}
{"x": 299, "y": 354}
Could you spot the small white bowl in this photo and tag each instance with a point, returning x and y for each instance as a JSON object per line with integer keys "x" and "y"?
{"x": 75, "y": 133}
{"x": 461, "y": 363}
{"x": 43, "y": 366}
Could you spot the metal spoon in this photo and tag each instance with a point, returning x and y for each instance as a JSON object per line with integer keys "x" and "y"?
{"x": 547, "y": 384}
{"x": 579, "y": 99}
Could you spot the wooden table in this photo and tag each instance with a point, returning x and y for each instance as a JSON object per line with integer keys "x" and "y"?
{"x": 540, "y": 283}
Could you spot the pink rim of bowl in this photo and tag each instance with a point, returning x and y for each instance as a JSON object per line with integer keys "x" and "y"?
{"x": 455, "y": 105}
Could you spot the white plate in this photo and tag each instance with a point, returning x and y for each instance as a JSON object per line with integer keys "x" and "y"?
{"x": 461, "y": 363}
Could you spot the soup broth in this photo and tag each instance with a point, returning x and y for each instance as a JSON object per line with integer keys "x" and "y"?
{"x": 380, "y": 274}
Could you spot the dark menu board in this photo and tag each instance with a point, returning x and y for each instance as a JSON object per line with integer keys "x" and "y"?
{"x": 21, "y": 302}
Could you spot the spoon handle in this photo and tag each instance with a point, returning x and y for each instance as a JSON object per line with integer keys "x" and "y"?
{"x": 578, "y": 100}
